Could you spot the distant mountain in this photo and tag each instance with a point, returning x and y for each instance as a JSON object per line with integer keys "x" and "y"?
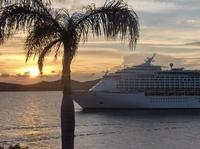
{"x": 194, "y": 43}
{"x": 46, "y": 86}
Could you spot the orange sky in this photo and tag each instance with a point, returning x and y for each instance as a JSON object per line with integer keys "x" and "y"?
{"x": 165, "y": 27}
{"x": 92, "y": 60}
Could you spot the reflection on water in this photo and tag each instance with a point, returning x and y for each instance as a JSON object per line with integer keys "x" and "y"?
{"x": 32, "y": 118}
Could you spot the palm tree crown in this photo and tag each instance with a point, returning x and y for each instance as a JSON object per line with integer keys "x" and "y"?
{"x": 49, "y": 28}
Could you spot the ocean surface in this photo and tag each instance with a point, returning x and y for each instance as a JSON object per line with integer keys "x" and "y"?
{"x": 32, "y": 118}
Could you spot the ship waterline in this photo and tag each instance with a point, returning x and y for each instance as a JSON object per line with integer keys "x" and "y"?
{"x": 105, "y": 100}
{"x": 144, "y": 86}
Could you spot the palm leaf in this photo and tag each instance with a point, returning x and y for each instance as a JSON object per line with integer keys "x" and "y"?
{"x": 15, "y": 18}
{"x": 22, "y": 15}
{"x": 113, "y": 20}
{"x": 39, "y": 37}
{"x": 45, "y": 51}
{"x": 31, "y": 3}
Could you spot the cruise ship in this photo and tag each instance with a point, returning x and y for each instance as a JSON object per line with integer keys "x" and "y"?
{"x": 144, "y": 86}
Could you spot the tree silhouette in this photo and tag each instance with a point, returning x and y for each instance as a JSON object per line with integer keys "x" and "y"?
{"x": 52, "y": 30}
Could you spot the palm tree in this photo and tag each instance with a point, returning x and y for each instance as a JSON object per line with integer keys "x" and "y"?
{"x": 49, "y": 29}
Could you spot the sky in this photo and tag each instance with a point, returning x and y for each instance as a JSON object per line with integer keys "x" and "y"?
{"x": 166, "y": 28}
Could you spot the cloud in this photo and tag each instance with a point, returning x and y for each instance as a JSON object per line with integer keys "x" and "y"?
{"x": 138, "y": 5}
{"x": 25, "y": 75}
{"x": 73, "y": 4}
{"x": 5, "y": 75}
{"x": 153, "y": 6}
{"x": 100, "y": 52}
{"x": 53, "y": 72}
{"x": 190, "y": 22}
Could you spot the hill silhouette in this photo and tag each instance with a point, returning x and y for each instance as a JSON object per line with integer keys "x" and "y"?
{"x": 46, "y": 86}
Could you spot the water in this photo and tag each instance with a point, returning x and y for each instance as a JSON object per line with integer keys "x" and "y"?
{"x": 32, "y": 118}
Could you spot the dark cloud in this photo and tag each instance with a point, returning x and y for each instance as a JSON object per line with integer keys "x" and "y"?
{"x": 53, "y": 71}
{"x": 196, "y": 43}
{"x": 5, "y": 75}
{"x": 26, "y": 74}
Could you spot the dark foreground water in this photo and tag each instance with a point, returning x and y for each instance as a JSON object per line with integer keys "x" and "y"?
{"x": 32, "y": 118}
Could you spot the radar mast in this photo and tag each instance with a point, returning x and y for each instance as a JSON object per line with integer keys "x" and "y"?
{"x": 149, "y": 60}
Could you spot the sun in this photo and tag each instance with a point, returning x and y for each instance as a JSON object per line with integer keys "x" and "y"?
{"x": 33, "y": 72}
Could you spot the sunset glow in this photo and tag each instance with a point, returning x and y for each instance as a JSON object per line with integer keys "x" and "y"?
{"x": 33, "y": 72}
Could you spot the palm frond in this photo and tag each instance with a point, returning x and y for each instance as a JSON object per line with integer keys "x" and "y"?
{"x": 39, "y": 37}
{"x": 113, "y": 20}
{"x": 16, "y": 18}
{"x": 22, "y": 16}
{"x": 31, "y": 3}
{"x": 62, "y": 16}
{"x": 47, "y": 50}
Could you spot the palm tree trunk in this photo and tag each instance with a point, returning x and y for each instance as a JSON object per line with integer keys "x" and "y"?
{"x": 67, "y": 106}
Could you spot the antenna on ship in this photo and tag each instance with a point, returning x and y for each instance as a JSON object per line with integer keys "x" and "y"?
{"x": 106, "y": 73}
{"x": 171, "y": 65}
{"x": 149, "y": 60}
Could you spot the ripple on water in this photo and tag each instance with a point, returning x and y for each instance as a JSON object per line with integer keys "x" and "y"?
{"x": 32, "y": 118}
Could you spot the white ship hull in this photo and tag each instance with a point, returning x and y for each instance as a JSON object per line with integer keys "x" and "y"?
{"x": 107, "y": 100}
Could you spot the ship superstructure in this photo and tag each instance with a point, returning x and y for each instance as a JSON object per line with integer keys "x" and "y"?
{"x": 144, "y": 86}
